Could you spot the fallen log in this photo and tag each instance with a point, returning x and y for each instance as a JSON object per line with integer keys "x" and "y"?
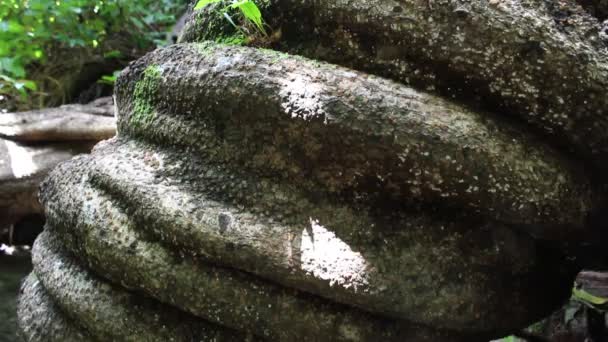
{"x": 94, "y": 122}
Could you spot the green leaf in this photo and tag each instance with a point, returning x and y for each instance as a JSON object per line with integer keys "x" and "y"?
{"x": 29, "y": 27}
{"x": 202, "y": 3}
{"x": 138, "y": 23}
{"x": 31, "y": 85}
{"x": 15, "y": 27}
{"x": 251, "y": 11}
{"x": 12, "y": 66}
{"x": 109, "y": 79}
{"x": 7, "y": 79}
{"x": 106, "y": 79}
{"x": 112, "y": 54}
{"x": 587, "y": 297}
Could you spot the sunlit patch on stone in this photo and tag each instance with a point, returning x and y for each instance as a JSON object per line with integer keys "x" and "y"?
{"x": 327, "y": 257}
{"x": 300, "y": 97}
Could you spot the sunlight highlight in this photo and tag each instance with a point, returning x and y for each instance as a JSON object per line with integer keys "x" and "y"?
{"x": 22, "y": 163}
{"x": 327, "y": 257}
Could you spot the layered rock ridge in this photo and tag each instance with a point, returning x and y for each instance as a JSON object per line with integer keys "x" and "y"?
{"x": 257, "y": 195}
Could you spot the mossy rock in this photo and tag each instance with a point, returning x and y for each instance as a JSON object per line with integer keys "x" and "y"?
{"x": 272, "y": 196}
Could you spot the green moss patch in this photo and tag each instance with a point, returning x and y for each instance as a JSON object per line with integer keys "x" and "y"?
{"x": 143, "y": 111}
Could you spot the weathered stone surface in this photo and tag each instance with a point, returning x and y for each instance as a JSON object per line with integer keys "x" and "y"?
{"x": 291, "y": 199}
{"x": 334, "y": 130}
{"x": 107, "y": 207}
{"x": 109, "y": 313}
{"x": 222, "y": 295}
{"x": 94, "y": 121}
{"x": 366, "y": 251}
{"x": 41, "y": 320}
{"x": 545, "y": 62}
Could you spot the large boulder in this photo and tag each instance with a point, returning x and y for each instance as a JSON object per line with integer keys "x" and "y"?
{"x": 254, "y": 194}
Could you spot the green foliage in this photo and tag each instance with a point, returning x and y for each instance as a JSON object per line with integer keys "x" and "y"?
{"x": 31, "y": 29}
{"x": 251, "y": 12}
{"x": 587, "y": 298}
{"x": 247, "y": 8}
{"x": 202, "y": 3}
{"x": 109, "y": 79}
{"x": 22, "y": 86}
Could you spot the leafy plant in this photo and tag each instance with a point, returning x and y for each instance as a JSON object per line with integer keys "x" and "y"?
{"x": 202, "y": 3}
{"x": 32, "y": 31}
{"x": 587, "y": 298}
{"x": 109, "y": 79}
{"x": 22, "y": 86}
{"x": 248, "y": 9}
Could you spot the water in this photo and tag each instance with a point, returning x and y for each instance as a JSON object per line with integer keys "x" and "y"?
{"x": 12, "y": 270}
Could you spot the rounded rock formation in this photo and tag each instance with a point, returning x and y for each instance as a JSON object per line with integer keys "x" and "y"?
{"x": 252, "y": 194}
